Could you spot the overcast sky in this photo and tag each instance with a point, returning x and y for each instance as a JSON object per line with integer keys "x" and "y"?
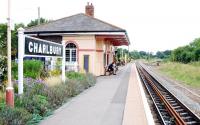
{"x": 151, "y": 24}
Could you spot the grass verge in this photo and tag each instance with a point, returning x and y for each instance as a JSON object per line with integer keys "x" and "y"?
{"x": 188, "y": 74}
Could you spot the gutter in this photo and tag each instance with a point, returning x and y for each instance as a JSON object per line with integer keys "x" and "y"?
{"x": 46, "y": 32}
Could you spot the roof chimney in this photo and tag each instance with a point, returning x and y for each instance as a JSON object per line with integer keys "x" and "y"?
{"x": 89, "y": 9}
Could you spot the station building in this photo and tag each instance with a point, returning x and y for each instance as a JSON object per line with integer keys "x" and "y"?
{"x": 90, "y": 43}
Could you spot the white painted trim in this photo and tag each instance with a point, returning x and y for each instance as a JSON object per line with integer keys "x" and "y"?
{"x": 147, "y": 110}
{"x": 70, "y": 54}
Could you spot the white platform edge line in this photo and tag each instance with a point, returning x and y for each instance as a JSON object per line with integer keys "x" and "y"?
{"x": 147, "y": 110}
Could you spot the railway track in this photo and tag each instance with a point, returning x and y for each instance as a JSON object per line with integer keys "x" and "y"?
{"x": 169, "y": 109}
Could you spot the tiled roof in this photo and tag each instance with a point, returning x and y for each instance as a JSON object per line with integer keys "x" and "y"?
{"x": 75, "y": 23}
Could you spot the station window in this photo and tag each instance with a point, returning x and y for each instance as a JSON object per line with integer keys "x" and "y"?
{"x": 71, "y": 52}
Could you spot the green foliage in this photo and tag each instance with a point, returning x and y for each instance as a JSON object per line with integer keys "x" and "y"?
{"x": 121, "y": 52}
{"x": 32, "y": 69}
{"x": 135, "y": 54}
{"x": 2, "y": 105}
{"x": 2, "y": 97}
{"x": 3, "y": 39}
{"x": 55, "y": 72}
{"x": 34, "y": 89}
{"x": 3, "y": 68}
{"x": 140, "y": 55}
{"x": 14, "y": 116}
{"x": 3, "y": 47}
{"x": 91, "y": 79}
{"x": 188, "y": 53}
{"x": 187, "y": 73}
{"x": 75, "y": 75}
{"x": 73, "y": 88}
{"x": 197, "y": 64}
{"x": 14, "y": 70}
{"x": 163, "y": 54}
{"x": 60, "y": 93}
{"x": 39, "y": 99}
{"x": 36, "y": 118}
{"x": 58, "y": 64}
{"x": 57, "y": 95}
{"x": 35, "y": 22}
{"x": 34, "y": 100}
{"x": 35, "y": 104}
{"x": 44, "y": 74}
{"x": 88, "y": 81}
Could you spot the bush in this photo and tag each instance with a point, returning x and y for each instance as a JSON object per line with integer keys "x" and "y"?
{"x": 85, "y": 80}
{"x": 36, "y": 104}
{"x": 53, "y": 81}
{"x": 56, "y": 95}
{"x": 73, "y": 88}
{"x": 55, "y": 72}
{"x": 32, "y": 69}
{"x": 14, "y": 116}
{"x": 90, "y": 79}
{"x": 2, "y": 105}
{"x": 34, "y": 99}
{"x": 75, "y": 75}
{"x": 14, "y": 70}
{"x": 39, "y": 98}
{"x": 34, "y": 87}
{"x": 44, "y": 74}
{"x": 59, "y": 93}
{"x": 3, "y": 68}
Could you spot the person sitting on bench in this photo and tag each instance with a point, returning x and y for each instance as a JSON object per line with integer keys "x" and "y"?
{"x": 111, "y": 68}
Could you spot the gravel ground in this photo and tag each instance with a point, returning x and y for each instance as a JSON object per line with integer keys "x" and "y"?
{"x": 189, "y": 96}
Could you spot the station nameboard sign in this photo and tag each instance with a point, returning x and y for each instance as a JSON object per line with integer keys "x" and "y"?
{"x": 37, "y": 47}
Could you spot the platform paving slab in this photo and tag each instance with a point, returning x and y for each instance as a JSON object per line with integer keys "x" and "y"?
{"x": 102, "y": 104}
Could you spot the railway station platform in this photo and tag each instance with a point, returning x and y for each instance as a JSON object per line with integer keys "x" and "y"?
{"x": 114, "y": 100}
{"x": 137, "y": 111}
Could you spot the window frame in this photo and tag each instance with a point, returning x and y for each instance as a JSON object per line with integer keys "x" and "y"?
{"x": 70, "y": 53}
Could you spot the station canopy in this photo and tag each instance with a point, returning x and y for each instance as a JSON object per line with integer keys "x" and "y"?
{"x": 116, "y": 40}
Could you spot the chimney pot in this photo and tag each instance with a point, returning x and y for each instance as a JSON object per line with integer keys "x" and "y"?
{"x": 89, "y": 9}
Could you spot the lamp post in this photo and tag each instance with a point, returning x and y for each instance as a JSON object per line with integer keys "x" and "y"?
{"x": 9, "y": 89}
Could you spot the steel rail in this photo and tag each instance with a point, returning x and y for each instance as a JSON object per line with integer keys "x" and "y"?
{"x": 169, "y": 107}
{"x": 178, "y": 119}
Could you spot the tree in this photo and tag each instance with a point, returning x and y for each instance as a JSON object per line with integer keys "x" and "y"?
{"x": 3, "y": 39}
{"x": 35, "y": 22}
{"x": 135, "y": 54}
{"x": 160, "y": 55}
{"x": 163, "y": 54}
{"x": 14, "y": 39}
{"x": 143, "y": 53}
